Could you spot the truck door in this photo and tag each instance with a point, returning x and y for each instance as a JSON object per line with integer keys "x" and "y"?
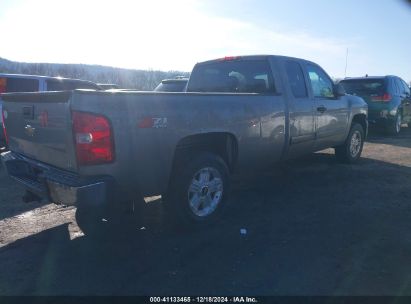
{"x": 301, "y": 109}
{"x": 331, "y": 112}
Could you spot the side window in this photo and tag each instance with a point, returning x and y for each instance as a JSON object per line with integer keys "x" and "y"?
{"x": 397, "y": 86}
{"x": 321, "y": 84}
{"x": 296, "y": 79}
{"x": 406, "y": 88}
{"x": 21, "y": 85}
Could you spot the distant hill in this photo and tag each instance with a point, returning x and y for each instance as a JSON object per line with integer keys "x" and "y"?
{"x": 125, "y": 78}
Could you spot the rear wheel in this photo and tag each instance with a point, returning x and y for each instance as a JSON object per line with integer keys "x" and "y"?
{"x": 394, "y": 128}
{"x": 92, "y": 220}
{"x": 104, "y": 220}
{"x": 350, "y": 151}
{"x": 198, "y": 194}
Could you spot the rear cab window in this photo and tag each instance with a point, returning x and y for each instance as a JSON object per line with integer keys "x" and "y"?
{"x": 15, "y": 84}
{"x": 233, "y": 76}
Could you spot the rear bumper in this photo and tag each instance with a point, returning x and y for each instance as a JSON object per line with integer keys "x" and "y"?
{"x": 382, "y": 121}
{"x": 56, "y": 185}
{"x": 382, "y": 116}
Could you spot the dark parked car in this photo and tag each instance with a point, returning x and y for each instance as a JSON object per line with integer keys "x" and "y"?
{"x": 10, "y": 83}
{"x": 388, "y": 99}
{"x": 172, "y": 85}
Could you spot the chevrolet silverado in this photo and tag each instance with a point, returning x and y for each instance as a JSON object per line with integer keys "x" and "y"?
{"x": 95, "y": 149}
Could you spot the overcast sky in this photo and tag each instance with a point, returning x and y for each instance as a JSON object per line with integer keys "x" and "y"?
{"x": 174, "y": 35}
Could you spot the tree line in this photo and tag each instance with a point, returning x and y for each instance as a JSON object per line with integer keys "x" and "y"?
{"x": 145, "y": 80}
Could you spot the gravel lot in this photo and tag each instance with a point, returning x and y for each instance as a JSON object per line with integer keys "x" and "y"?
{"x": 314, "y": 227}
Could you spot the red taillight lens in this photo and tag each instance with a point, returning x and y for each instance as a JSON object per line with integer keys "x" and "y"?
{"x": 4, "y": 127}
{"x": 384, "y": 98}
{"x": 93, "y": 139}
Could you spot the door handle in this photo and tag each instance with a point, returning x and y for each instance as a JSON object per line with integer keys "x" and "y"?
{"x": 321, "y": 109}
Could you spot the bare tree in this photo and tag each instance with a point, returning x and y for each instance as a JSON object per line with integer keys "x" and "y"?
{"x": 125, "y": 78}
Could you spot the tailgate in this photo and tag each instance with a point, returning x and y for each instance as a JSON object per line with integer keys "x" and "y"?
{"x": 39, "y": 126}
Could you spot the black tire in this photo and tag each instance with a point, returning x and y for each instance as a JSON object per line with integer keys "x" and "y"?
{"x": 394, "y": 128}
{"x": 104, "y": 221}
{"x": 181, "y": 201}
{"x": 91, "y": 220}
{"x": 346, "y": 153}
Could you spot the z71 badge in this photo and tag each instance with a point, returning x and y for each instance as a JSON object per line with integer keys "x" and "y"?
{"x": 160, "y": 122}
{"x": 153, "y": 122}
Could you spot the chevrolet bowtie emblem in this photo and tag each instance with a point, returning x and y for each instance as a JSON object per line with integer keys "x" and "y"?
{"x": 29, "y": 130}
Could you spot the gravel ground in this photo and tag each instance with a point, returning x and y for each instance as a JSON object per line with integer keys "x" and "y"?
{"x": 313, "y": 227}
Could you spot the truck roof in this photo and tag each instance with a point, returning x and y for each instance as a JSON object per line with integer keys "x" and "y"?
{"x": 368, "y": 77}
{"x": 252, "y": 57}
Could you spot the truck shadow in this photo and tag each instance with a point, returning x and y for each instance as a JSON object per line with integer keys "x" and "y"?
{"x": 11, "y": 193}
{"x": 307, "y": 227}
{"x": 402, "y": 140}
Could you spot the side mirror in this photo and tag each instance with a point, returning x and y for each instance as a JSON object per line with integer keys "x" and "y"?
{"x": 339, "y": 90}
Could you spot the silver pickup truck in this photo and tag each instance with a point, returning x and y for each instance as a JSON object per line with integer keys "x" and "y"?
{"x": 97, "y": 149}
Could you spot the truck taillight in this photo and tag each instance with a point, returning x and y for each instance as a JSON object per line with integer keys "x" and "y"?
{"x": 4, "y": 127}
{"x": 93, "y": 138}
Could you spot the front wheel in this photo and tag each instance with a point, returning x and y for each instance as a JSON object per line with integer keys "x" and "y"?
{"x": 350, "y": 151}
{"x": 198, "y": 193}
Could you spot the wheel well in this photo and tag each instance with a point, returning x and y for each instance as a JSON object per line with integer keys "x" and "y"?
{"x": 362, "y": 120}
{"x": 223, "y": 144}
